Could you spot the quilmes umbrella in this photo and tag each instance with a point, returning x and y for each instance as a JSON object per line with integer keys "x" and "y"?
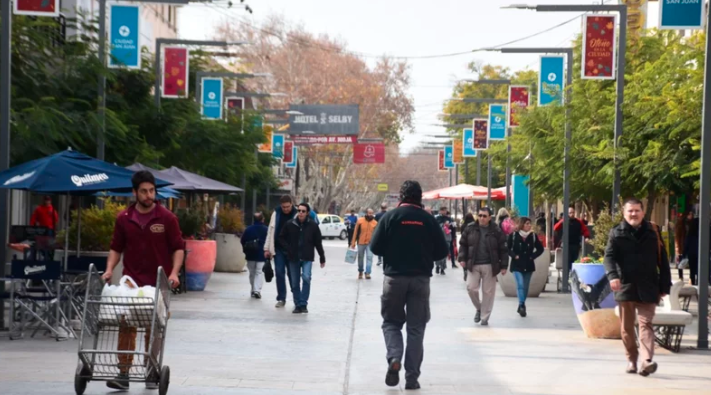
{"x": 161, "y": 193}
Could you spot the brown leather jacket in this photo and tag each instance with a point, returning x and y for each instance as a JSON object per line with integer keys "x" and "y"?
{"x": 496, "y": 240}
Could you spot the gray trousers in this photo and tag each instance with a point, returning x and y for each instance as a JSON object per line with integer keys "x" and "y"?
{"x": 400, "y": 293}
{"x": 482, "y": 277}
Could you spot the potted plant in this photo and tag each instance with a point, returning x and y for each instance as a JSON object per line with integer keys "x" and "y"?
{"x": 202, "y": 252}
{"x": 97, "y": 229}
{"x": 593, "y": 300}
{"x": 230, "y": 226}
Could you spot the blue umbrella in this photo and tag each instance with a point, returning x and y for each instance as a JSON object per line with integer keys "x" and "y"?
{"x": 161, "y": 193}
{"x": 69, "y": 172}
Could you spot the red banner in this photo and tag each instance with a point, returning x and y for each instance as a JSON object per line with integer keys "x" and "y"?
{"x": 313, "y": 140}
{"x": 368, "y": 153}
{"x": 599, "y": 46}
{"x": 175, "y": 72}
{"x": 288, "y": 152}
{"x": 481, "y": 134}
{"x": 36, "y": 7}
{"x": 519, "y": 99}
{"x": 441, "y": 161}
{"x": 235, "y": 105}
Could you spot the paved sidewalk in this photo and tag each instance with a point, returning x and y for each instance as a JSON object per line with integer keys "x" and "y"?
{"x": 222, "y": 342}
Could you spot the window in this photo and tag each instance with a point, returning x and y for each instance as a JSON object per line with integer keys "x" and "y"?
{"x": 326, "y": 220}
{"x": 336, "y": 220}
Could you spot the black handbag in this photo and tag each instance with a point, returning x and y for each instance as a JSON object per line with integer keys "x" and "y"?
{"x": 268, "y": 271}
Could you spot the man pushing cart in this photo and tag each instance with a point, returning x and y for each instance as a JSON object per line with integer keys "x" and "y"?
{"x": 149, "y": 238}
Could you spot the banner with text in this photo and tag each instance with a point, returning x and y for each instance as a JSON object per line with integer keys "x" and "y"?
{"x": 314, "y": 140}
{"x": 36, "y": 7}
{"x": 681, "y": 15}
{"x": 266, "y": 148}
{"x": 448, "y": 157}
{"x": 288, "y": 152}
{"x": 550, "y": 80}
{"x": 468, "y": 143}
{"x": 519, "y": 99}
{"x": 368, "y": 153}
{"x": 481, "y": 134}
{"x": 458, "y": 147}
{"x": 599, "y": 40}
{"x": 124, "y": 36}
{"x": 324, "y": 120}
{"x": 278, "y": 146}
{"x": 497, "y": 122}
{"x": 211, "y": 97}
{"x": 440, "y": 160}
{"x": 175, "y": 72}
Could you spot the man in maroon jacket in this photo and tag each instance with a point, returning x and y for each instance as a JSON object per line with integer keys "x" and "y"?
{"x": 148, "y": 235}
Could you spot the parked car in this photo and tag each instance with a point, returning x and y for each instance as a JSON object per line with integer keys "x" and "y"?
{"x": 332, "y": 226}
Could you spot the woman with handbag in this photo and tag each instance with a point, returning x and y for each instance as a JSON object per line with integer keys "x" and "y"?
{"x": 253, "y": 240}
{"x": 524, "y": 248}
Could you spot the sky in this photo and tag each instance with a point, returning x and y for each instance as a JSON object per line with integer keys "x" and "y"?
{"x": 411, "y": 28}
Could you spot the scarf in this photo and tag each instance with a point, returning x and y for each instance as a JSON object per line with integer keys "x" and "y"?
{"x": 524, "y": 234}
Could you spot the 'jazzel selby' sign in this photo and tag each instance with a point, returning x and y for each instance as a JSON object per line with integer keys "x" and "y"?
{"x": 324, "y": 120}
{"x": 600, "y": 36}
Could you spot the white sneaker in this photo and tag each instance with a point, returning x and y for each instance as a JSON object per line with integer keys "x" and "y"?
{"x": 280, "y": 303}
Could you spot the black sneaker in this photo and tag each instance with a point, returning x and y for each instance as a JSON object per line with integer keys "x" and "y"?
{"x": 442, "y": 272}
{"x": 297, "y": 310}
{"x": 437, "y": 269}
{"x": 119, "y": 383}
{"x": 257, "y": 295}
{"x": 392, "y": 378}
{"x": 523, "y": 310}
{"x": 412, "y": 385}
{"x": 477, "y": 317}
{"x": 304, "y": 310}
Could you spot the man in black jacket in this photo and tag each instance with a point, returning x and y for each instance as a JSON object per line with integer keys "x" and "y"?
{"x": 637, "y": 267}
{"x": 378, "y": 216}
{"x": 298, "y": 238}
{"x": 409, "y": 240}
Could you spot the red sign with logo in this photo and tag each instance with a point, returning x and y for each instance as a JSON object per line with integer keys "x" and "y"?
{"x": 235, "y": 105}
{"x": 36, "y": 7}
{"x": 599, "y": 46}
{"x": 440, "y": 161}
{"x": 313, "y": 140}
{"x": 175, "y": 72}
{"x": 368, "y": 153}
{"x": 288, "y": 152}
{"x": 519, "y": 99}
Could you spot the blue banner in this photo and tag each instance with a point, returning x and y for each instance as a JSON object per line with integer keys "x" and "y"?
{"x": 449, "y": 157}
{"x": 294, "y": 154}
{"x": 124, "y": 36}
{"x": 550, "y": 81}
{"x": 497, "y": 122}
{"x": 468, "y": 140}
{"x": 678, "y": 15}
{"x": 520, "y": 194}
{"x": 211, "y": 97}
{"x": 278, "y": 146}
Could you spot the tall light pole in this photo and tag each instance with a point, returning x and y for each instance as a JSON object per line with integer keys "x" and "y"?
{"x": 5, "y": 103}
{"x": 568, "y": 89}
{"x": 621, "y": 9}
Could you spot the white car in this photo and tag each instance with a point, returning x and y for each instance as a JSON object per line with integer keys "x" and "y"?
{"x": 332, "y": 226}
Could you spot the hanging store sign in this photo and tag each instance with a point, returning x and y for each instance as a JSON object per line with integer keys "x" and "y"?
{"x": 36, "y": 7}
{"x": 175, "y": 72}
{"x": 519, "y": 99}
{"x": 468, "y": 150}
{"x": 124, "y": 36}
{"x": 681, "y": 14}
{"x": 324, "y": 120}
{"x": 599, "y": 40}
{"x": 448, "y": 157}
{"x": 278, "y": 146}
{"x": 288, "y": 152}
{"x": 294, "y": 157}
{"x": 313, "y": 140}
{"x": 369, "y": 153}
{"x": 211, "y": 98}
{"x": 550, "y": 81}
{"x": 497, "y": 122}
{"x": 481, "y": 134}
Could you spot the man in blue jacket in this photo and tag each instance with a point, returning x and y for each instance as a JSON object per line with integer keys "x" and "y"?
{"x": 253, "y": 240}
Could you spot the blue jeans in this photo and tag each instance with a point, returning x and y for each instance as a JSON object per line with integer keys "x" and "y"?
{"x": 364, "y": 249}
{"x": 298, "y": 272}
{"x": 523, "y": 280}
{"x": 280, "y": 272}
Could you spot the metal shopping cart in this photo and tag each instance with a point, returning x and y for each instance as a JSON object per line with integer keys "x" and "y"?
{"x": 123, "y": 336}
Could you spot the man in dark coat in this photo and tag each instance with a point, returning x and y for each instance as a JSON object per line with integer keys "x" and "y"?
{"x": 253, "y": 240}
{"x": 298, "y": 238}
{"x": 637, "y": 267}
{"x": 483, "y": 252}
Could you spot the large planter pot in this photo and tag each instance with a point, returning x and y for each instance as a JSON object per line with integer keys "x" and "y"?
{"x": 200, "y": 263}
{"x": 230, "y": 256}
{"x": 118, "y": 270}
{"x": 538, "y": 280}
{"x": 594, "y": 301}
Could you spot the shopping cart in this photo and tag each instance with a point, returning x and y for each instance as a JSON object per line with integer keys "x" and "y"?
{"x": 123, "y": 335}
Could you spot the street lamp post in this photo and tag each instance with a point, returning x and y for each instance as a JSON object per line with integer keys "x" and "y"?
{"x": 5, "y": 98}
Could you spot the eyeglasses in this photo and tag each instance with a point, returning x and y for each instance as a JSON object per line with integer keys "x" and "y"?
{"x": 303, "y": 211}
{"x": 483, "y": 216}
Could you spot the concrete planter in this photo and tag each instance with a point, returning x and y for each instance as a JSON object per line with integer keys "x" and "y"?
{"x": 594, "y": 301}
{"x": 538, "y": 281}
{"x": 200, "y": 263}
{"x": 230, "y": 256}
{"x": 118, "y": 271}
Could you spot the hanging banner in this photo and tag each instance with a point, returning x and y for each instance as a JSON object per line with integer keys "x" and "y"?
{"x": 440, "y": 160}
{"x": 519, "y": 99}
{"x": 278, "y": 146}
{"x": 458, "y": 147}
{"x": 519, "y": 190}
{"x": 294, "y": 157}
{"x": 211, "y": 97}
{"x": 235, "y": 105}
{"x": 368, "y": 153}
{"x": 468, "y": 150}
{"x": 681, "y": 15}
{"x": 600, "y": 36}
{"x": 266, "y": 148}
{"x": 288, "y": 152}
{"x": 124, "y": 36}
{"x": 37, "y": 7}
{"x": 175, "y": 72}
{"x": 448, "y": 157}
{"x": 481, "y": 134}
{"x": 314, "y": 140}
{"x": 497, "y": 122}
{"x": 550, "y": 80}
